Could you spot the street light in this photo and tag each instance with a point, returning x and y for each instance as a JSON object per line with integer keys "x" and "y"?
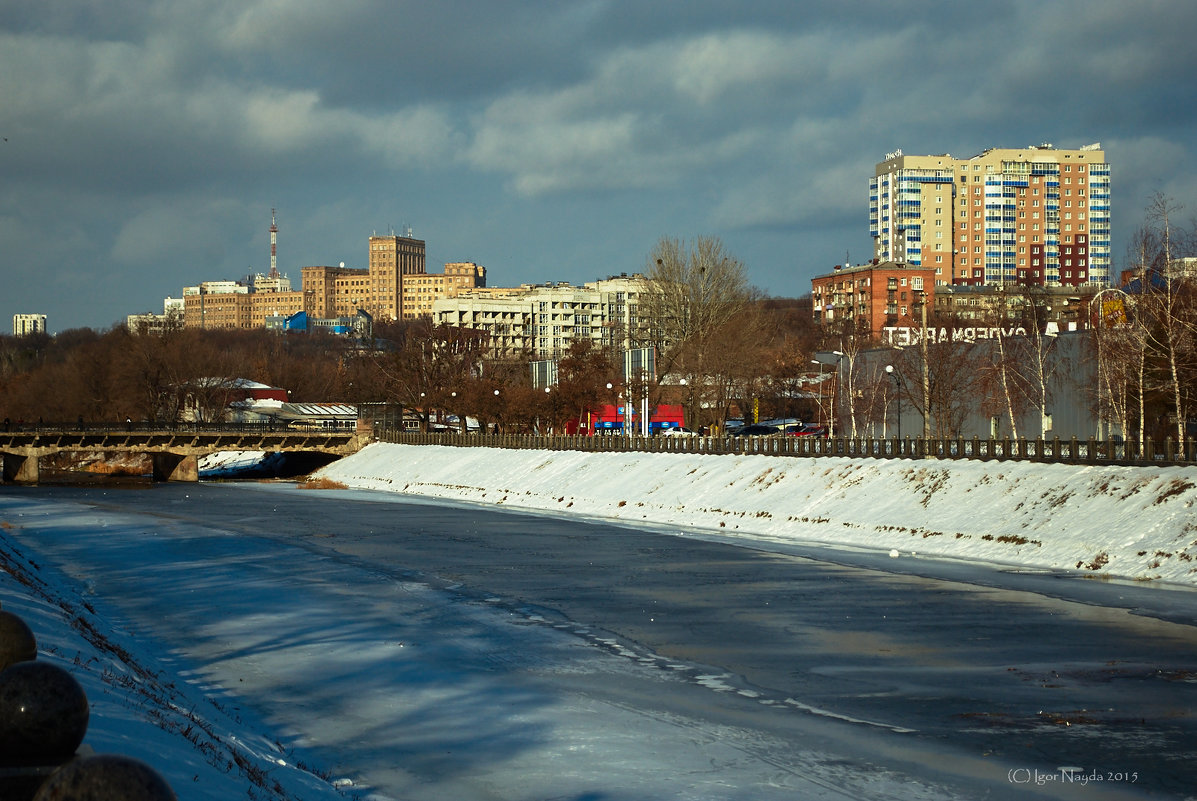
{"x": 822, "y": 409}
{"x": 889, "y": 368}
{"x": 926, "y": 369}
{"x": 839, "y": 359}
{"x": 614, "y": 405}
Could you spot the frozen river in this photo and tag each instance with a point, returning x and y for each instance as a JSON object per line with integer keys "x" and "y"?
{"x": 436, "y": 651}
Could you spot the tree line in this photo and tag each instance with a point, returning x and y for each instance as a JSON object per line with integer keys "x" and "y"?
{"x": 175, "y": 374}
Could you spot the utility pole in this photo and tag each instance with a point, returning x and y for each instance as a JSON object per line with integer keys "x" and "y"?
{"x": 926, "y": 373}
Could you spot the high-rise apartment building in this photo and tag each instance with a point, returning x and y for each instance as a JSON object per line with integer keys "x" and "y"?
{"x": 1036, "y": 216}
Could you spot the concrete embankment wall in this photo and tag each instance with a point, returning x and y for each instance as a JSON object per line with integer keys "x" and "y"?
{"x": 1135, "y": 522}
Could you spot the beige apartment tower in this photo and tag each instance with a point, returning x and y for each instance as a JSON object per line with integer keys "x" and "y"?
{"x": 1034, "y": 216}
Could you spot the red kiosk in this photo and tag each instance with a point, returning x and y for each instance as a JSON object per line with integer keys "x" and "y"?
{"x": 611, "y": 419}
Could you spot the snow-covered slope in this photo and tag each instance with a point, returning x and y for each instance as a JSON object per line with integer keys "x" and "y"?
{"x": 142, "y": 704}
{"x": 1136, "y": 522}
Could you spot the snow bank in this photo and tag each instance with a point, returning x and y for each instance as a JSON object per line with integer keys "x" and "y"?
{"x": 1135, "y": 522}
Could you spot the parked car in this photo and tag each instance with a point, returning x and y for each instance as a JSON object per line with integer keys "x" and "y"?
{"x": 679, "y": 431}
{"x": 754, "y": 430}
{"x": 809, "y": 430}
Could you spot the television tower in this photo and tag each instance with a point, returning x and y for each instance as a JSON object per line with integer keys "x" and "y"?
{"x": 273, "y": 246}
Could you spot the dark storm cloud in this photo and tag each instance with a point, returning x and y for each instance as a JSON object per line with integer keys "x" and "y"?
{"x": 149, "y": 140}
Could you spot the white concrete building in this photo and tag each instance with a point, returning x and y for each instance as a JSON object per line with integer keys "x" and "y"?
{"x": 23, "y": 324}
{"x": 541, "y": 321}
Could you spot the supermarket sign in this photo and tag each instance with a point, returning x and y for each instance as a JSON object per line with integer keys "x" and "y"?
{"x": 904, "y": 335}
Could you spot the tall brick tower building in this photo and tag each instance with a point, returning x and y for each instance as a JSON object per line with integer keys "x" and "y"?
{"x": 391, "y": 258}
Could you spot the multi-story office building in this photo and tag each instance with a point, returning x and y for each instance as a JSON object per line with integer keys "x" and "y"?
{"x": 421, "y": 290}
{"x": 392, "y": 258}
{"x": 23, "y": 324}
{"x": 394, "y": 286}
{"x": 235, "y": 304}
{"x": 150, "y": 323}
{"x": 1036, "y": 216}
{"x": 542, "y": 321}
{"x": 336, "y": 291}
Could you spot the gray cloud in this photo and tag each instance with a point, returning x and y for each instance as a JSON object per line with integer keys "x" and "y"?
{"x": 148, "y": 141}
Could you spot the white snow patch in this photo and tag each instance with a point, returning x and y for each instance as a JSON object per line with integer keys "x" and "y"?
{"x": 1134, "y": 522}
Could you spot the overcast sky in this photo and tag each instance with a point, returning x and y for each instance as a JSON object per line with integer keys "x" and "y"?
{"x": 145, "y": 142}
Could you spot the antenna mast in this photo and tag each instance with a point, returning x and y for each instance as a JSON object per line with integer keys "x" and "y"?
{"x": 273, "y": 246}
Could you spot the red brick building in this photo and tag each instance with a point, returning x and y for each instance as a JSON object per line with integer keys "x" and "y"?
{"x": 872, "y": 296}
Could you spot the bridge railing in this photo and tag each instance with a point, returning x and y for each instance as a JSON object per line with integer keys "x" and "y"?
{"x": 41, "y": 427}
{"x": 1066, "y": 451}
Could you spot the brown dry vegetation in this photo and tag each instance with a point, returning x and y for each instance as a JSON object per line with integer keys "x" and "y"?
{"x": 322, "y": 483}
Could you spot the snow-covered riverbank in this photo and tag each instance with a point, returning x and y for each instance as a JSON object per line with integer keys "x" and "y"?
{"x": 1134, "y": 522}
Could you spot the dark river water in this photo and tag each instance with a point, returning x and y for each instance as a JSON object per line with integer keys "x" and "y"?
{"x": 969, "y": 675}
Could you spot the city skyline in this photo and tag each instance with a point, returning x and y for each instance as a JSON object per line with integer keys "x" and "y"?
{"x": 547, "y": 142}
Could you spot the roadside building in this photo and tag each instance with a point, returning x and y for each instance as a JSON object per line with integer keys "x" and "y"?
{"x": 1060, "y": 308}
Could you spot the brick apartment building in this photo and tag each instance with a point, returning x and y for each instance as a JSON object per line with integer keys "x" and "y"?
{"x": 872, "y": 296}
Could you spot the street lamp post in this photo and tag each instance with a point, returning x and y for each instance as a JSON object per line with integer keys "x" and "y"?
{"x": 889, "y": 368}
{"x": 835, "y": 394}
{"x": 548, "y": 391}
{"x": 822, "y": 410}
{"x": 926, "y": 373}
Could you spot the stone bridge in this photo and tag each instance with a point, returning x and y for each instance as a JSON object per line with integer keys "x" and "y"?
{"x": 175, "y": 452}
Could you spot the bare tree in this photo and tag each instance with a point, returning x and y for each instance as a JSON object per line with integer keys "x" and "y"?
{"x": 697, "y": 310}
{"x": 1169, "y": 307}
{"x": 427, "y": 364}
{"x": 940, "y": 386}
{"x": 582, "y": 376}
